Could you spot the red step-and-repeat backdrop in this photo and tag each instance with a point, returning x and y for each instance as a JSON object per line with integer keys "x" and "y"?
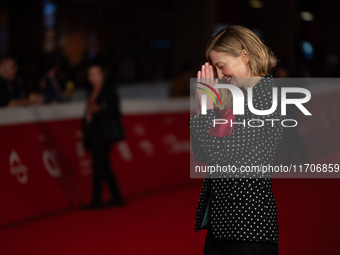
{"x": 45, "y": 169}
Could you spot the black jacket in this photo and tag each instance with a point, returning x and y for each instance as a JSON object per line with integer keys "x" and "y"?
{"x": 240, "y": 208}
{"x": 108, "y": 101}
{"x": 7, "y": 93}
{"x": 107, "y": 121}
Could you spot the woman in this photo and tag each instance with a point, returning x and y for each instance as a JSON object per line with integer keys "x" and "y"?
{"x": 101, "y": 128}
{"x": 239, "y": 213}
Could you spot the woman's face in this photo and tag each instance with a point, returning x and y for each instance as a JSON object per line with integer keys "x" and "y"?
{"x": 229, "y": 67}
{"x": 95, "y": 76}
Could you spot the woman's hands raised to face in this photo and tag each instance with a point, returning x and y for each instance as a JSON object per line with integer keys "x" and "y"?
{"x": 206, "y": 72}
{"x": 206, "y": 76}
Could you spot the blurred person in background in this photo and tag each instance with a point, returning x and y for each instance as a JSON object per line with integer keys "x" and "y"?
{"x": 181, "y": 85}
{"x": 51, "y": 89}
{"x": 101, "y": 129}
{"x": 11, "y": 94}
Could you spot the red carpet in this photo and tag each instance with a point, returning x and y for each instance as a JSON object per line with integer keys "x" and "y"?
{"x": 163, "y": 224}
{"x": 158, "y": 224}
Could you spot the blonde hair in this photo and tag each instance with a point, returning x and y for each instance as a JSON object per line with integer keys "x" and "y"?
{"x": 233, "y": 40}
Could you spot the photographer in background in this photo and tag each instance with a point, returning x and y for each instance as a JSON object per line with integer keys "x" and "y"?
{"x": 11, "y": 94}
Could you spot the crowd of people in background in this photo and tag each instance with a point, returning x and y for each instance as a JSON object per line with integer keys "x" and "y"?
{"x": 52, "y": 79}
{"x": 15, "y": 90}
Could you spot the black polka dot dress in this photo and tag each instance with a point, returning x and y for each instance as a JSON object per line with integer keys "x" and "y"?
{"x": 239, "y": 208}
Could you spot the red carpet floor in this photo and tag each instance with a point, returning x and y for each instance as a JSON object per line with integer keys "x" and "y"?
{"x": 163, "y": 224}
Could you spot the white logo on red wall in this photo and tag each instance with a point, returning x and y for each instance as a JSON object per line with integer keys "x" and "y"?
{"x": 139, "y": 129}
{"x": 51, "y": 164}
{"x": 84, "y": 160}
{"x": 146, "y": 147}
{"x": 124, "y": 151}
{"x": 17, "y": 168}
{"x": 174, "y": 145}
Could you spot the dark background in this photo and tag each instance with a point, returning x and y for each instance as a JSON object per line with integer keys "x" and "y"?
{"x": 158, "y": 40}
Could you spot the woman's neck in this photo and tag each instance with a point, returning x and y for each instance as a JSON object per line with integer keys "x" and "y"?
{"x": 251, "y": 82}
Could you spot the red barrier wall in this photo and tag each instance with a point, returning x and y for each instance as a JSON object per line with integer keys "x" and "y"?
{"x": 45, "y": 169}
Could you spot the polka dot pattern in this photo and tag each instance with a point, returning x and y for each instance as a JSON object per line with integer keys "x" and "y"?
{"x": 240, "y": 208}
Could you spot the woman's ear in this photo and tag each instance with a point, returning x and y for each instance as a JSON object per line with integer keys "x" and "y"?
{"x": 245, "y": 56}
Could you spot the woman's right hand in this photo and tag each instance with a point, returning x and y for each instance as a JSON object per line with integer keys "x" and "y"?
{"x": 93, "y": 108}
{"x": 206, "y": 76}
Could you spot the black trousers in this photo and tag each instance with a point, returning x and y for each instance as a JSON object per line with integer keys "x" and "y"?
{"x": 216, "y": 246}
{"x": 102, "y": 172}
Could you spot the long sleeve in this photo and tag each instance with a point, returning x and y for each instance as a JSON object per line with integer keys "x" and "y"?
{"x": 247, "y": 145}
{"x": 109, "y": 103}
{"x": 199, "y": 126}
{"x": 242, "y": 206}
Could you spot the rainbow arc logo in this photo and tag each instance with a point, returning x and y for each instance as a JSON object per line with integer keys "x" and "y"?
{"x": 209, "y": 93}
